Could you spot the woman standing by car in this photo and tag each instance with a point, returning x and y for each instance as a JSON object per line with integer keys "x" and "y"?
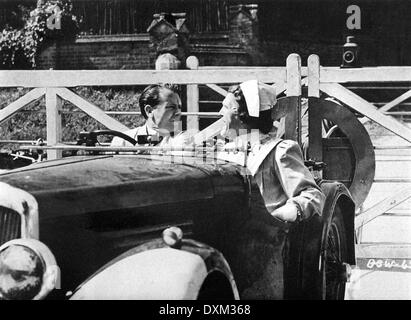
{"x": 286, "y": 185}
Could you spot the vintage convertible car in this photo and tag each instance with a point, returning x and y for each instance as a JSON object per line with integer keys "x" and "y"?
{"x": 138, "y": 226}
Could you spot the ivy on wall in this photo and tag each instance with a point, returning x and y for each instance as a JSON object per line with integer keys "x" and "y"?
{"x": 50, "y": 20}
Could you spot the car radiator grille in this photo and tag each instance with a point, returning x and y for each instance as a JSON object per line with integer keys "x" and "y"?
{"x": 10, "y": 225}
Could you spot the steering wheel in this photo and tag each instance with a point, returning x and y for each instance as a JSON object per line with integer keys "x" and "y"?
{"x": 90, "y": 138}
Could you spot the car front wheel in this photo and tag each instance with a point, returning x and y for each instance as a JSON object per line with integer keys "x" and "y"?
{"x": 334, "y": 254}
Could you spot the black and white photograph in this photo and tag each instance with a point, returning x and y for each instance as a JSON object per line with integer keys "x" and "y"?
{"x": 181, "y": 150}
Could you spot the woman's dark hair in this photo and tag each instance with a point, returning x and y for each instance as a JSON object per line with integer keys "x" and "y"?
{"x": 151, "y": 95}
{"x": 264, "y": 122}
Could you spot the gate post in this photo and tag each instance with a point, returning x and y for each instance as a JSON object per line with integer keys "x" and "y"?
{"x": 53, "y": 113}
{"x": 314, "y": 119}
{"x": 293, "y": 91}
{"x": 193, "y": 97}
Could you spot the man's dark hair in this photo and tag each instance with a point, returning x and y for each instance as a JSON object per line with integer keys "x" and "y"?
{"x": 151, "y": 95}
{"x": 264, "y": 122}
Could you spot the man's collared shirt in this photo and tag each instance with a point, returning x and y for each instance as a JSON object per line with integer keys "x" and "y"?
{"x": 145, "y": 130}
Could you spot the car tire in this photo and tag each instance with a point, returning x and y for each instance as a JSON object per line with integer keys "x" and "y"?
{"x": 333, "y": 256}
{"x": 316, "y": 259}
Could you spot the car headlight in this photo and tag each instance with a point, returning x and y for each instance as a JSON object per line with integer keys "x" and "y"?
{"x": 28, "y": 270}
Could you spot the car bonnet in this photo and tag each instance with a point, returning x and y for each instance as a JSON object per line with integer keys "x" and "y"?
{"x": 89, "y": 184}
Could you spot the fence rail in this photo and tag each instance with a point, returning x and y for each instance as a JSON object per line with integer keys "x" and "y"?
{"x": 75, "y": 78}
{"x": 204, "y": 75}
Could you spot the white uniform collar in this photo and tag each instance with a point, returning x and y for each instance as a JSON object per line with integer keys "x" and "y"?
{"x": 244, "y": 140}
{"x": 260, "y": 148}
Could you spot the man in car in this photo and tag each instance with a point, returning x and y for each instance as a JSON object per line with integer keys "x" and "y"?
{"x": 160, "y": 105}
{"x": 286, "y": 185}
